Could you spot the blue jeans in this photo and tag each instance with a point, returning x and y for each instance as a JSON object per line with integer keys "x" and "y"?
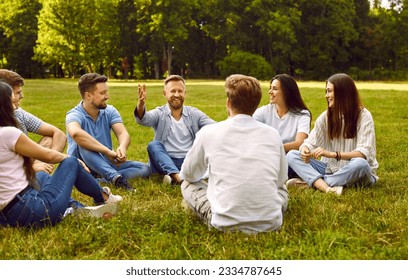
{"x": 43, "y": 178}
{"x": 99, "y": 164}
{"x": 39, "y": 208}
{"x": 160, "y": 161}
{"x": 356, "y": 171}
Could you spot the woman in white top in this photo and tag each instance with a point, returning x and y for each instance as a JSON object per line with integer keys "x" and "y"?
{"x": 22, "y": 202}
{"x": 286, "y": 112}
{"x": 340, "y": 150}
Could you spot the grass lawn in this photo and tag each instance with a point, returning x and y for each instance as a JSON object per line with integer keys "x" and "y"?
{"x": 364, "y": 223}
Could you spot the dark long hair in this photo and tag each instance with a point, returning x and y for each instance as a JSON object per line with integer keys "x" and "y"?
{"x": 346, "y": 109}
{"x": 291, "y": 94}
{"x": 7, "y": 118}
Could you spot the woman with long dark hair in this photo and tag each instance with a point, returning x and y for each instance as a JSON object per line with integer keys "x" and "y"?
{"x": 341, "y": 149}
{"x": 22, "y": 202}
{"x": 286, "y": 112}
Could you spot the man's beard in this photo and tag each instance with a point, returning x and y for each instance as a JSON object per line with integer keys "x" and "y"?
{"x": 176, "y": 106}
{"x": 102, "y": 105}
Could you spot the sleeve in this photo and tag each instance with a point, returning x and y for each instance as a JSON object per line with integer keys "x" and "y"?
{"x": 203, "y": 119}
{"x": 304, "y": 123}
{"x": 195, "y": 163}
{"x": 73, "y": 116}
{"x": 150, "y": 118}
{"x": 29, "y": 121}
{"x": 259, "y": 114}
{"x": 283, "y": 177}
{"x": 366, "y": 136}
{"x": 114, "y": 116}
{"x": 10, "y": 136}
{"x": 318, "y": 134}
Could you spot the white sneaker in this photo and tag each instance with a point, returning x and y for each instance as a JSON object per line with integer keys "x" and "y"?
{"x": 338, "y": 190}
{"x": 101, "y": 211}
{"x": 112, "y": 198}
{"x": 296, "y": 182}
{"x": 167, "y": 180}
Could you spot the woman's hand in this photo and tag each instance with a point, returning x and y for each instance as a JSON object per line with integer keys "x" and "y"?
{"x": 305, "y": 154}
{"x": 320, "y": 152}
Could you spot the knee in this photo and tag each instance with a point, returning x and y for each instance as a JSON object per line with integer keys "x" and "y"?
{"x": 291, "y": 155}
{"x": 360, "y": 164}
{"x": 46, "y": 142}
{"x": 72, "y": 162}
{"x": 153, "y": 145}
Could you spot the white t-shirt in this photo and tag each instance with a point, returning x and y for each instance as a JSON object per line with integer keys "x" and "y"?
{"x": 246, "y": 168}
{"x": 13, "y": 178}
{"x": 288, "y": 126}
{"x": 180, "y": 141}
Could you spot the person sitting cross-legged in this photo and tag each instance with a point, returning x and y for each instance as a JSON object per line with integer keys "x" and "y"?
{"x": 89, "y": 127}
{"x": 246, "y": 164}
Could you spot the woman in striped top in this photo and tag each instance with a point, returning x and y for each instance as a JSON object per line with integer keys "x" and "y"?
{"x": 340, "y": 150}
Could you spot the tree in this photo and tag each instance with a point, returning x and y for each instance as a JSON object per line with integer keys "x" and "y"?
{"x": 325, "y": 34}
{"x": 277, "y": 21}
{"x": 128, "y": 38}
{"x": 78, "y": 34}
{"x": 164, "y": 26}
{"x": 18, "y": 22}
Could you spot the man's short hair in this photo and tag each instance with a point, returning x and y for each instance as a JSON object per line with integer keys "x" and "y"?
{"x": 11, "y": 78}
{"x": 87, "y": 82}
{"x": 174, "y": 78}
{"x": 244, "y": 93}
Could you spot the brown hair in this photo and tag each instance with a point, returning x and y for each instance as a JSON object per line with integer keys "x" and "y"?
{"x": 244, "y": 93}
{"x": 87, "y": 82}
{"x": 7, "y": 118}
{"x": 11, "y": 78}
{"x": 347, "y": 107}
{"x": 173, "y": 78}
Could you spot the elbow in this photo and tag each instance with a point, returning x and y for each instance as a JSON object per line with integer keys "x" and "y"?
{"x": 61, "y": 135}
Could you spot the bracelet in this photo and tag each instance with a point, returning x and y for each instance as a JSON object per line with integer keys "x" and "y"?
{"x": 338, "y": 156}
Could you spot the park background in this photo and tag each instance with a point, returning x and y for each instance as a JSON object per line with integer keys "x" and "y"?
{"x": 148, "y": 39}
{"x": 308, "y": 39}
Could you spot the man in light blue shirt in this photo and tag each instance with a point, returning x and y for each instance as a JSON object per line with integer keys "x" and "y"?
{"x": 89, "y": 127}
{"x": 175, "y": 127}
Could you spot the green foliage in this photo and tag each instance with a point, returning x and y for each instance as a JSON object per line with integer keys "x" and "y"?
{"x": 364, "y": 223}
{"x": 18, "y": 23}
{"x": 306, "y": 38}
{"x": 245, "y": 63}
{"x": 78, "y": 34}
{"x": 326, "y": 31}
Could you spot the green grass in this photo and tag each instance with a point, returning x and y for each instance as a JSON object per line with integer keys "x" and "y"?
{"x": 364, "y": 223}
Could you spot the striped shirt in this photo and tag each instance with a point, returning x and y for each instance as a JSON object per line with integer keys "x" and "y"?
{"x": 364, "y": 142}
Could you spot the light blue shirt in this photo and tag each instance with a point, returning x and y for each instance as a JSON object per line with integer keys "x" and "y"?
{"x": 160, "y": 120}
{"x": 99, "y": 129}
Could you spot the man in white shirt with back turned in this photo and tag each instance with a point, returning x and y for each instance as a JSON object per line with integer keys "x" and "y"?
{"x": 246, "y": 163}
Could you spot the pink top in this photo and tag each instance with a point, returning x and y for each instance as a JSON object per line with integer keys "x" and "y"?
{"x": 12, "y": 174}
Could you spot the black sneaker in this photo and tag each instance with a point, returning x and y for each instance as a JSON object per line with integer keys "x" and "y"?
{"x": 121, "y": 182}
